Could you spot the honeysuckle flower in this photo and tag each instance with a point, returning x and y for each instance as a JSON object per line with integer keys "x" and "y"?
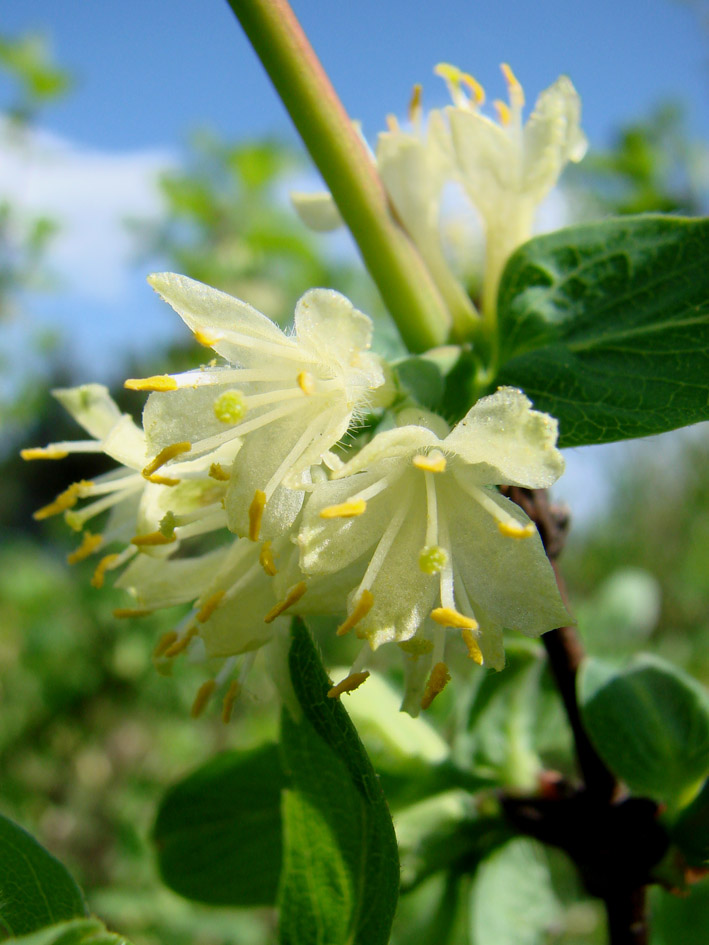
{"x": 508, "y": 168}
{"x": 273, "y": 409}
{"x": 438, "y": 541}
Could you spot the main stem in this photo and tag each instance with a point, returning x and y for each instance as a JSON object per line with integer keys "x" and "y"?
{"x": 400, "y": 274}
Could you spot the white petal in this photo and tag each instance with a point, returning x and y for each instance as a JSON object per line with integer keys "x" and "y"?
{"x": 390, "y": 445}
{"x": 317, "y": 211}
{"x": 157, "y": 581}
{"x": 92, "y": 406}
{"x": 552, "y": 136}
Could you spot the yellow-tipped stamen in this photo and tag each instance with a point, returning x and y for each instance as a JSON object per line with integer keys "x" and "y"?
{"x": 164, "y": 456}
{"x": 415, "y": 107}
{"x": 43, "y": 452}
{"x": 229, "y": 699}
{"x": 258, "y": 503}
{"x": 89, "y": 544}
{"x": 204, "y": 694}
{"x": 504, "y": 115}
{"x": 436, "y": 683}
{"x": 218, "y": 472}
{"x": 435, "y": 462}
{"x": 516, "y": 92}
{"x": 392, "y": 123}
{"x": 448, "y": 617}
{"x": 101, "y": 568}
{"x": 158, "y": 382}
{"x": 306, "y": 382}
{"x": 65, "y": 500}
{"x": 349, "y": 509}
{"x": 476, "y": 90}
{"x": 204, "y": 338}
{"x": 162, "y": 480}
{"x": 181, "y": 643}
{"x": 349, "y": 684}
{"x": 516, "y": 529}
{"x": 266, "y": 561}
{"x": 292, "y": 597}
{"x": 153, "y": 538}
{"x": 474, "y": 651}
{"x": 364, "y": 604}
{"x": 164, "y": 644}
{"x": 125, "y": 613}
{"x": 209, "y": 606}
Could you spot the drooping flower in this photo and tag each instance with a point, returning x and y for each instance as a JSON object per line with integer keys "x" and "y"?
{"x": 274, "y": 408}
{"x": 438, "y": 544}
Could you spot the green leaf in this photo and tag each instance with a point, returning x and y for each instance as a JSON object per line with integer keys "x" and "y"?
{"x": 340, "y": 875}
{"x": 218, "y": 832}
{"x": 691, "y": 830}
{"x": 680, "y": 920}
{"x": 76, "y": 932}
{"x": 35, "y": 889}
{"x": 420, "y": 379}
{"x": 650, "y": 724}
{"x": 606, "y": 326}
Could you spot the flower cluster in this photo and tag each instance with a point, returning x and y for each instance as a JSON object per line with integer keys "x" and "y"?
{"x": 408, "y": 540}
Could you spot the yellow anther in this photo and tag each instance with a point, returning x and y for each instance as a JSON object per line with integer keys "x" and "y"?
{"x": 433, "y": 559}
{"x": 204, "y": 694}
{"x": 345, "y": 509}
{"x": 159, "y": 382}
{"x": 361, "y": 609}
{"x": 204, "y": 338}
{"x": 44, "y": 452}
{"x": 392, "y": 123}
{"x": 181, "y": 643}
{"x": 230, "y": 406}
{"x": 415, "y": 103}
{"x": 504, "y": 115}
{"x": 162, "y": 480}
{"x": 153, "y": 538}
{"x": 476, "y": 90}
{"x": 292, "y": 597}
{"x": 164, "y": 644}
{"x": 209, "y": 606}
{"x": 306, "y": 382}
{"x": 229, "y": 699}
{"x": 258, "y": 503}
{"x": 516, "y": 91}
{"x": 218, "y": 472}
{"x": 474, "y": 651}
{"x": 65, "y": 500}
{"x": 266, "y": 561}
{"x": 447, "y": 617}
{"x": 164, "y": 456}
{"x": 349, "y": 684}
{"x": 416, "y": 646}
{"x": 89, "y": 544}
{"x": 436, "y": 683}
{"x": 104, "y": 565}
{"x": 515, "y": 530}
{"x": 451, "y": 74}
{"x": 435, "y": 462}
{"x": 124, "y": 613}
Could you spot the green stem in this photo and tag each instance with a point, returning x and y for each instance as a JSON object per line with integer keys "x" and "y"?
{"x": 348, "y": 170}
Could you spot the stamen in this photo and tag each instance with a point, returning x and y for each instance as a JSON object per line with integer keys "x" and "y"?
{"x": 152, "y": 539}
{"x": 415, "y": 104}
{"x": 349, "y": 684}
{"x": 65, "y": 500}
{"x": 158, "y": 382}
{"x": 44, "y": 452}
{"x": 204, "y": 694}
{"x": 209, "y": 606}
{"x": 204, "y": 338}
{"x": 124, "y": 613}
{"x": 162, "y": 480}
{"x": 392, "y": 123}
{"x": 509, "y": 526}
{"x": 448, "y": 617}
{"x": 292, "y": 597}
{"x": 266, "y": 561}
{"x": 435, "y": 462}
{"x": 230, "y": 406}
{"x": 258, "y": 503}
{"x": 312, "y": 432}
{"x": 504, "y": 114}
{"x": 229, "y": 699}
{"x": 306, "y": 382}
{"x": 182, "y": 642}
{"x": 385, "y": 543}
{"x": 516, "y": 530}
{"x": 476, "y": 90}
{"x": 349, "y": 509}
{"x": 364, "y": 604}
{"x": 515, "y": 90}
{"x": 474, "y": 651}
{"x": 218, "y": 472}
{"x": 89, "y": 544}
{"x": 101, "y": 568}
{"x": 453, "y": 78}
{"x": 436, "y": 683}
{"x": 164, "y": 643}
{"x": 164, "y": 456}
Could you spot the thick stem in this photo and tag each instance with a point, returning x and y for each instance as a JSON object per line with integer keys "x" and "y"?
{"x": 341, "y": 157}
{"x": 627, "y": 917}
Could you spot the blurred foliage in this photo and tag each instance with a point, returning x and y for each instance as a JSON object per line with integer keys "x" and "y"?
{"x": 27, "y": 62}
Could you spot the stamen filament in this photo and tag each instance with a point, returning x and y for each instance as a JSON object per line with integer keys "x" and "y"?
{"x": 319, "y": 422}
{"x": 385, "y": 543}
